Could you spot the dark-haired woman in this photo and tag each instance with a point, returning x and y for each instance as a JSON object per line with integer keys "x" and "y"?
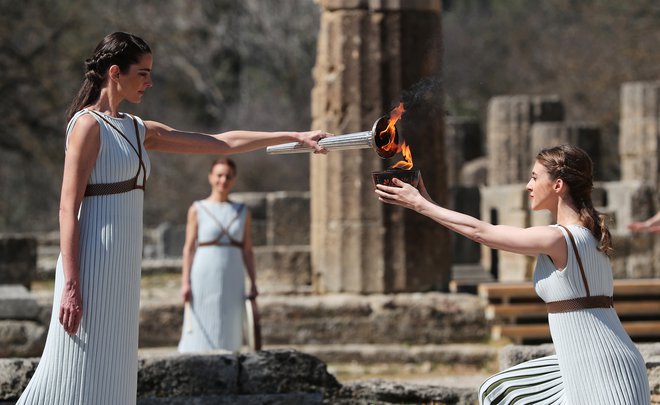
{"x": 90, "y": 355}
{"x": 217, "y": 255}
{"x": 596, "y": 362}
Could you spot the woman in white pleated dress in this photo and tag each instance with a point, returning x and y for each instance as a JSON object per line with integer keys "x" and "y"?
{"x": 217, "y": 255}
{"x": 90, "y": 355}
{"x": 596, "y": 362}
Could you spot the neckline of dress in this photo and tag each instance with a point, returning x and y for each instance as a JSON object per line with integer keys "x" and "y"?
{"x": 122, "y": 115}
{"x": 578, "y": 225}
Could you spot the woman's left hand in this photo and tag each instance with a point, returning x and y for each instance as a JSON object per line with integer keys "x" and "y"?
{"x": 403, "y": 194}
{"x": 312, "y": 138}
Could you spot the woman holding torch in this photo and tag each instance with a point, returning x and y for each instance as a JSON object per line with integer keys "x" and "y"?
{"x": 596, "y": 362}
{"x": 90, "y": 355}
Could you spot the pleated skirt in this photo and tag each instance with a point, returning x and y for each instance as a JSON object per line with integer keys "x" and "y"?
{"x": 537, "y": 381}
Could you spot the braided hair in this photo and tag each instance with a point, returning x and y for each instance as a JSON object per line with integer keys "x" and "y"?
{"x": 119, "y": 48}
{"x": 572, "y": 165}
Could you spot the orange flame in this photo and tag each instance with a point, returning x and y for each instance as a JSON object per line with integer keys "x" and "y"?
{"x": 390, "y": 131}
{"x": 407, "y": 162}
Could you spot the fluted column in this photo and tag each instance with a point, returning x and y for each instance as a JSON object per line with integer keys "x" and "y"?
{"x": 368, "y": 53}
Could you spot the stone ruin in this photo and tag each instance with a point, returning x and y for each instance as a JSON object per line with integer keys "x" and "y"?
{"x": 338, "y": 238}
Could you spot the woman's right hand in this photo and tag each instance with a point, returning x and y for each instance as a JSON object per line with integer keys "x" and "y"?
{"x": 186, "y": 293}
{"x": 71, "y": 307}
{"x": 312, "y": 138}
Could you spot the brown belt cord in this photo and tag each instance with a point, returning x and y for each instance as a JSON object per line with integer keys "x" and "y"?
{"x": 577, "y": 256}
{"x": 575, "y": 304}
{"x": 223, "y": 230}
{"x": 126, "y": 185}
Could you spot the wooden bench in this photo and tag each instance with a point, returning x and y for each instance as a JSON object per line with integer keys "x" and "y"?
{"x": 517, "y": 313}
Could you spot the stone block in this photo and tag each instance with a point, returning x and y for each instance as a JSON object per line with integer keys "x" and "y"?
{"x": 509, "y": 197}
{"x": 283, "y": 269}
{"x": 288, "y": 216}
{"x": 474, "y": 173}
{"x": 172, "y": 239}
{"x": 284, "y": 370}
{"x": 18, "y": 259}
{"x": 17, "y": 303}
{"x": 417, "y": 318}
{"x": 21, "y": 338}
{"x": 160, "y": 323}
{"x": 384, "y": 392}
{"x": 509, "y": 120}
{"x": 188, "y": 375}
{"x": 15, "y": 374}
{"x": 279, "y": 377}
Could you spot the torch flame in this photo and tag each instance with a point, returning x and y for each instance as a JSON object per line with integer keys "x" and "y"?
{"x": 390, "y": 132}
{"x": 407, "y": 163}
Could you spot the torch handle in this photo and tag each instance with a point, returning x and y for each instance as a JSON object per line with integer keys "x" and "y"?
{"x": 357, "y": 140}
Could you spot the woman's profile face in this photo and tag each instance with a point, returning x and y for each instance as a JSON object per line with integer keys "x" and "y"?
{"x": 540, "y": 187}
{"x": 134, "y": 83}
{"x": 222, "y": 178}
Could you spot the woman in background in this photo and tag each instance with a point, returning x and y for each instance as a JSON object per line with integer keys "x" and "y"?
{"x": 216, "y": 256}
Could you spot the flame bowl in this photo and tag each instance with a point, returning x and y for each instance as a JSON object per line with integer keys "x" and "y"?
{"x": 385, "y": 177}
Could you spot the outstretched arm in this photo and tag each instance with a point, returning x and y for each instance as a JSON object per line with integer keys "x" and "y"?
{"x": 650, "y": 225}
{"x": 162, "y": 138}
{"x": 528, "y": 241}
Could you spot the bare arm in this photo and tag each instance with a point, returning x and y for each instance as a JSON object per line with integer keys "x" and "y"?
{"x": 650, "y": 225}
{"x": 82, "y": 151}
{"x": 162, "y": 138}
{"x": 527, "y": 241}
{"x": 189, "y": 248}
{"x": 248, "y": 256}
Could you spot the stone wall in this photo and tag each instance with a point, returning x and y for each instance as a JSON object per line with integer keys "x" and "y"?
{"x": 276, "y": 377}
{"x": 416, "y": 318}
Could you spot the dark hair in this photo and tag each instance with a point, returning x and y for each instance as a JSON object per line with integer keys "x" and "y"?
{"x": 119, "y": 48}
{"x": 572, "y": 165}
{"x": 224, "y": 161}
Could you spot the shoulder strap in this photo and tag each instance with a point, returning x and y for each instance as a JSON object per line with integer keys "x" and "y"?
{"x": 577, "y": 256}
{"x": 224, "y": 230}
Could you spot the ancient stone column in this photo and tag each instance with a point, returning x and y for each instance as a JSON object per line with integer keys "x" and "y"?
{"x": 508, "y": 131}
{"x": 639, "y": 140}
{"x": 369, "y": 52}
{"x": 639, "y": 148}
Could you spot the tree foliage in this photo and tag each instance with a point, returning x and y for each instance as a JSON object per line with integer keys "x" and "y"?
{"x": 219, "y": 65}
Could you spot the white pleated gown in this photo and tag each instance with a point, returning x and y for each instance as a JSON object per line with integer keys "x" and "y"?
{"x": 217, "y": 279}
{"x": 98, "y": 365}
{"x": 596, "y": 362}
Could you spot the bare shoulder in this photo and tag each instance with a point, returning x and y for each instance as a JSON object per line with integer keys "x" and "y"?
{"x": 85, "y": 132}
{"x": 86, "y": 124}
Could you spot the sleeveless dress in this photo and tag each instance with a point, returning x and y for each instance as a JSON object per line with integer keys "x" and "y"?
{"x": 217, "y": 280}
{"x": 98, "y": 365}
{"x": 596, "y": 362}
